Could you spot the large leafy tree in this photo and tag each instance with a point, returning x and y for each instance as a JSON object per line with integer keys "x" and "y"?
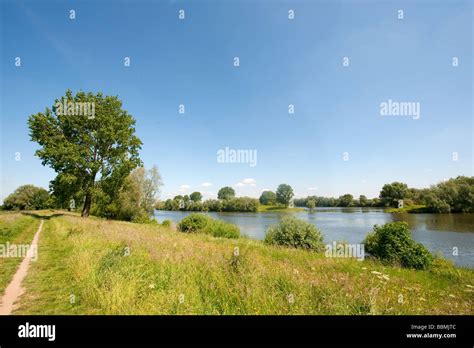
{"x": 345, "y": 200}
{"x": 95, "y": 153}
{"x": 196, "y": 196}
{"x": 137, "y": 198}
{"x": 284, "y": 194}
{"x": 391, "y": 193}
{"x": 27, "y": 197}
{"x": 226, "y": 193}
{"x": 267, "y": 198}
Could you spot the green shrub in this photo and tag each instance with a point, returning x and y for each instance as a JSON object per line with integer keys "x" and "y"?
{"x": 166, "y": 223}
{"x": 193, "y": 222}
{"x": 295, "y": 233}
{"x": 445, "y": 268}
{"x": 218, "y": 228}
{"x": 393, "y": 244}
{"x": 204, "y": 224}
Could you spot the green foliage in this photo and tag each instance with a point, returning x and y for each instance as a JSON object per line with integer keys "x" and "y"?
{"x": 196, "y": 196}
{"x": 454, "y": 195}
{"x": 242, "y": 204}
{"x": 95, "y": 153}
{"x": 363, "y": 201}
{"x": 205, "y": 224}
{"x": 193, "y": 223}
{"x": 445, "y": 269}
{"x": 284, "y": 194}
{"x": 435, "y": 204}
{"x": 27, "y": 197}
{"x": 391, "y": 193}
{"x": 311, "y": 204}
{"x": 222, "y": 229}
{"x": 226, "y": 193}
{"x": 194, "y": 206}
{"x": 171, "y": 204}
{"x": 296, "y": 233}
{"x": 136, "y": 199}
{"x": 238, "y": 204}
{"x": 166, "y": 223}
{"x": 345, "y": 200}
{"x": 268, "y": 198}
{"x": 213, "y": 205}
{"x": 393, "y": 244}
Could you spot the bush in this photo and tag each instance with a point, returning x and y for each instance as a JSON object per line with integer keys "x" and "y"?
{"x": 295, "y": 233}
{"x": 205, "y": 224}
{"x": 193, "y": 223}
{"x": 445, "y": 268}
{"x": 393, "y": 244}
{"x": 218, "y": 228}
{"x": 242, "y": 204}
{"x": 27, "y": 197}
{"x": 166, "y": 223}
{"x": 213, "y": 205}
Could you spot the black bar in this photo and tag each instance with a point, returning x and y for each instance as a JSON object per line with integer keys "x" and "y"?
{"x": 242, "y": 330}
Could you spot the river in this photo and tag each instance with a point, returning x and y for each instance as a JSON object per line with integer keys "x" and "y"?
{"x": 438, "y": 232}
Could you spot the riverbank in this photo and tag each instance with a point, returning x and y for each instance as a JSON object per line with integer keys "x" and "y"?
{"x": 412, "y": 209}
{"x": 277, "y": 208}
{"x": 97, "y": 266}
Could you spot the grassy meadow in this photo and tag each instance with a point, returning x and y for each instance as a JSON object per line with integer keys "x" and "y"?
{"x": 96, "y": 266}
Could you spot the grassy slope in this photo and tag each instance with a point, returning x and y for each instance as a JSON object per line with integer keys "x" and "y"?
{"x": 86, "y": 258}
{"x": 414, "y": 209}
{"x": 267, "y": 208}
{"x": 14, "y": 229}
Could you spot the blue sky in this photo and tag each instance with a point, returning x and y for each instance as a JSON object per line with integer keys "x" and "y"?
{"x": 282, "y": 62}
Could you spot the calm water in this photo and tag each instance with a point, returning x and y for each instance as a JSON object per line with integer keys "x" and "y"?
{"x": 438, "y": 232}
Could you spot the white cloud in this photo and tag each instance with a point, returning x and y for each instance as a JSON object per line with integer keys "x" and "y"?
{"x": 313, "y": 188}
{"x": 206, "y": 184}
{"x": 239, "y": 184}
{"x": 249, "y": 181}
{"x": 184, "y": 188}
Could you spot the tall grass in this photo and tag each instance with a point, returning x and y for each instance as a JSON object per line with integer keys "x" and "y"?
{"x": 110, "y": 267}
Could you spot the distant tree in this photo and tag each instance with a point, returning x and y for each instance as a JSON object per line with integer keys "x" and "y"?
{"x": 226, "y": 193}
{"x": 311, "y": 204}
{"x": 284, "y": 194}
{"x": 98, "y": 150}
{"x": 27, "y": 197}
{"x": 186, "y": 198}
{"x": 454, "y": 195}
{"x": 345, "y": 200}
{"x": 267, "y": 198}
{"x": 376, "y": 202}
{"x": 240, "y": 204}
{"x": 196, "y": 196}
{"x": 363, "y": 201}
{"x": 178, "y": 198}
{"x": 391, "y": 193}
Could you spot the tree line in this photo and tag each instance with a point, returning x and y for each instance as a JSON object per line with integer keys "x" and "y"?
{"x": 455, "y": 195}
{"x": 226, "y": 201}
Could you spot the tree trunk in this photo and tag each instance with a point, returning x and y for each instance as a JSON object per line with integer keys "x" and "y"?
{"x": 87, "y": 205}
